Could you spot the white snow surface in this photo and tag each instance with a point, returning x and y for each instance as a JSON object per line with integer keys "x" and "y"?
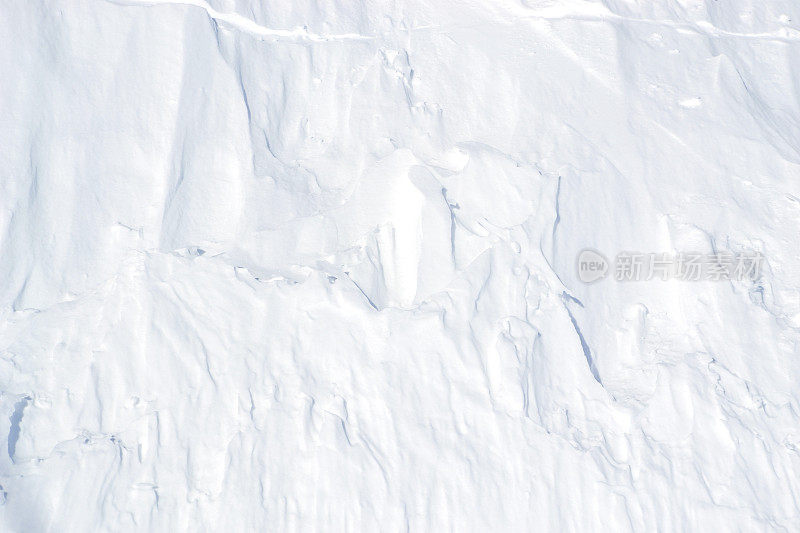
{"x": 295, "y": 265}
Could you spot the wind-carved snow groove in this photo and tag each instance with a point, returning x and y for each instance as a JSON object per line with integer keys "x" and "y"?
{"x": 556, "y": 221}
{"x": 369, "y": 300}
{"x": 13, "y": 432}
{"x": 587, "y": 352}
{"x": 245, "y": 25}
{"x": 451, "y": 207}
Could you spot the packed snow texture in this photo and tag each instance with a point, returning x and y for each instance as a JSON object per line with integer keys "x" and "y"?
{"x": 310, "y": 265}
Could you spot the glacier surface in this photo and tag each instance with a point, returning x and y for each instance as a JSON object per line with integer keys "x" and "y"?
{"x": 311, "y": 265}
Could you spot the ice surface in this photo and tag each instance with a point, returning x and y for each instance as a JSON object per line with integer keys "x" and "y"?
{"x": 310, "y": 265}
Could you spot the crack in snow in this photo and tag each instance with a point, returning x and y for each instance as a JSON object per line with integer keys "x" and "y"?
{"x": 246, "y": 25}
{"x": 598, "y": 13}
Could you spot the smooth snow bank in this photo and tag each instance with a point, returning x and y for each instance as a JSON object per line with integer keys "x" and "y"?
{"x": 311, "y": 265}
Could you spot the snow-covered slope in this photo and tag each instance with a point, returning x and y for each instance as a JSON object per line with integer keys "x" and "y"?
{"x": 311, "y": 265}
